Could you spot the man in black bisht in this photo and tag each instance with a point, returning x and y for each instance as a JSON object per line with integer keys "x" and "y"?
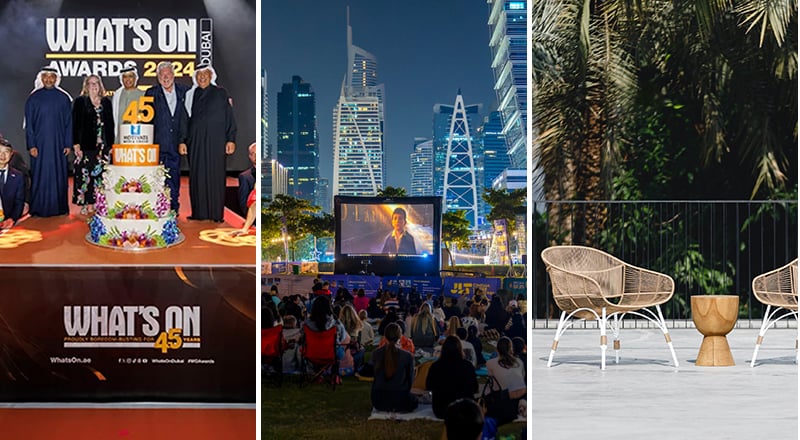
{"x": 207, "y": 138}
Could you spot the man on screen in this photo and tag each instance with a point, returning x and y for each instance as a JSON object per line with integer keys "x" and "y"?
{"x": 399, "y": 241}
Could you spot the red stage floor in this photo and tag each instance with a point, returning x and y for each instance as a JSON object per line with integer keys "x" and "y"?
{"x": 127, "y": 424}
{"x": 60, "y": 241}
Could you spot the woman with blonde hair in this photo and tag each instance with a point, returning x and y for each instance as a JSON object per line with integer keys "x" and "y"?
{"x": 452, "y": 325}
{"x": 92, "y": 134}
{"x": 354, "y": 352}
{"x": 423, "y": 331}
{"x": 367, "y": 332}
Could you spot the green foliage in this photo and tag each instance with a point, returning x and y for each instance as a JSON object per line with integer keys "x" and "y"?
{"x": 391, "y": 191}
{"x": 323, "y": 225}
{"x": 296, "y": 215}
{"x": 506, "y": 205}
{"x": 455, "y": 230}
{"x": 692, "y": 270}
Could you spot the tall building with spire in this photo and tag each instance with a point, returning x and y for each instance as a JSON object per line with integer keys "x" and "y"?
{"x": 508, "y": 43}
{"x": 358, "y": 126}
{"x": 298, "y": 147}
{"x": 442, "y": 120}
{"x": 460, "y": 180}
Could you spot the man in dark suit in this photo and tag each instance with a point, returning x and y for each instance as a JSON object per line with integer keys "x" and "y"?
{"x": 168, "y": 101}
{"x": 12, "y": 188}
{"x": 247, "y": 179}
{"x": 399, "y": 241}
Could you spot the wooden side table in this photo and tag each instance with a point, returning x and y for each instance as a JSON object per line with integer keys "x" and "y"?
{"x": 715, "y": 316}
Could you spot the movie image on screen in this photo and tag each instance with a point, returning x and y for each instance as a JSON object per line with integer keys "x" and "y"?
{"x": 387, "y": 235}
{"x": 387, "y": 229}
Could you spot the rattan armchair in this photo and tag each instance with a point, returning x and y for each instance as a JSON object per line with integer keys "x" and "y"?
{"x": 591, "y": 284}
{"x": 778, "y": 290}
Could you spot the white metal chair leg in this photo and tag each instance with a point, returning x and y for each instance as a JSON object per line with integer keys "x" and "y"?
{"x": 615, "y": 331}
{"x": 603, "y": 340}
{"x": 561, "y": 323}
{"x": 761, "y": 332}
{"x": 666, "y": 336}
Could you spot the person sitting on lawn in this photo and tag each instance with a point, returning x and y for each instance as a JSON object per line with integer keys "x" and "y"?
{"x": 423, "y": 330}
{"x": 464, "y": 420}
{"x": 477, "y": 345}
{"x": 321, "y": 318}
{"x": 466, "y": 347}
{"x": 452, "y": 324}
{"x": 508, "y": 370}
{"x": 367, "y": 332}
{"x": 354, "y": 354}
{"x": 451, "y": 377}
{"x": 394, "y": 374}
{"x": 405, "y": 343}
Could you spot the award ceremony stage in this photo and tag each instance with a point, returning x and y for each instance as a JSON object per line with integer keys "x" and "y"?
{"x": 60, "y": 241}
{"x": 106, "y": 343}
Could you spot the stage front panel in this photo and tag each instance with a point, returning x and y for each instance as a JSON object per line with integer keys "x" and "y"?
{"x": 128, "y": 334}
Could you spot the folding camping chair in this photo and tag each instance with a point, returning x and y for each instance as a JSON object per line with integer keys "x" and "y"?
{"x": 272, "y": 348}
{"x": 318, "y": 351}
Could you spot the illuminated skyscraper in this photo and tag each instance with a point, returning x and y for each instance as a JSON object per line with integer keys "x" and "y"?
{"x": 358, "y": 121}
{"x": 422, "y": 168}
{"x": 266, "y": 151}
{"x": 298, "y": 149}
{"x": 495, "y": 151}
{"x": 508, "y": 43}
{"x": 442, "y": 120}
{"x": 460, "y": 189}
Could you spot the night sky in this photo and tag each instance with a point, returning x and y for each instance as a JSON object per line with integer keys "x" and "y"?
{"x": 426, "y": 51}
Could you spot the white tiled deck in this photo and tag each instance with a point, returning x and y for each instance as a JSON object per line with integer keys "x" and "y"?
{"x": 646, "y": 397}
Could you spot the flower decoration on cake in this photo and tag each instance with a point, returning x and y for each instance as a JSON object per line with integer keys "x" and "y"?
{"x": 131, "y": 239}
{"x": 96, "y": 228}
{"x": 140, "y": 185}
{"x": 162, "y": 204}
{"x": 100, "y": 204}
{"x": 124, "y": 211}
{"x": 170, "y": 231}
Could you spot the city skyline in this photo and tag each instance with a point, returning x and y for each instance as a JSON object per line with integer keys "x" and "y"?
{"x": 438, "y": 55}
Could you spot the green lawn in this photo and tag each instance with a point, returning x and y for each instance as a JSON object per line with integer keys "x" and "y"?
{"x": 316, "y": 412}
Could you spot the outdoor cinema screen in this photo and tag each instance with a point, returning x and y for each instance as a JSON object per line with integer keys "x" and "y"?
{"x": 379, "y": 231}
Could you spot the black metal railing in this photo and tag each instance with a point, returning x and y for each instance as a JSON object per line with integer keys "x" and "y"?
{"x": 705, "y": 246}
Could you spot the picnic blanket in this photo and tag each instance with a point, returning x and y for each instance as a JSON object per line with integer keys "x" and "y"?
{"x": 423, "y": 411}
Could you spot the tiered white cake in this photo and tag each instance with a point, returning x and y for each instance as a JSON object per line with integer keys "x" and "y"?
{"x": 133, "y": 203}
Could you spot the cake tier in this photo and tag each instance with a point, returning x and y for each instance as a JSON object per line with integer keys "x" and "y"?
{"x": 133, "y": 234}
{"x": 136, "y": 134}
{"x": 134, "y": 180}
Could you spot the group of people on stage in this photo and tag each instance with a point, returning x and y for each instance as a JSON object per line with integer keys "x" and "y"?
{"x": 196, "y": 122}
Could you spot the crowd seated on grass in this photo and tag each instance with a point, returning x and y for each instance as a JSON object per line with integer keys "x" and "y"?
{"x": 450, "y": 353}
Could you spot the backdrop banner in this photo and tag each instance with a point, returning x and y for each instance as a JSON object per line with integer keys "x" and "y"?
{"x": 369, "y": 283}
{"x": 128, "y": 334}
{"x": 99, "y": 37}
{"x": 423, "y": 285}
{"x": 456, "y": 287}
